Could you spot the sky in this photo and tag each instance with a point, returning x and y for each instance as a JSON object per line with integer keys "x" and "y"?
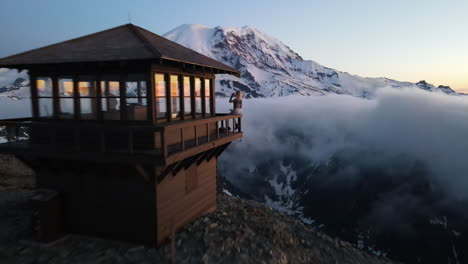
{"x": 399, "y": 39}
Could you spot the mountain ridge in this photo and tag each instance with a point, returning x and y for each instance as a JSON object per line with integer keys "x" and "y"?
{"x": 269, "y": 68}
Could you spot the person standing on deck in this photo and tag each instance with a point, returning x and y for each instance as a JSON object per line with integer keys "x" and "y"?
{"x": 236, "y": 102}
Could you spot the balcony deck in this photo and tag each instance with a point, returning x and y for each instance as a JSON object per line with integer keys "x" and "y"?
{"x": 162, "y": 144}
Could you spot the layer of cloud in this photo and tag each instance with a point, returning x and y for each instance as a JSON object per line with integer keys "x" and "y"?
{"x": 427, "y": 127}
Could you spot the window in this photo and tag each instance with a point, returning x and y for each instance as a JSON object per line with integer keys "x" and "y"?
{"x": 160, "y": 95}
{"x": 175, "y": 99}
{"x": 187, "y": 96}
{"x": 208, "y": 96}
{"x": 198, "y": 97}
{"x": 110, "y": 99}
{"x": 66, "y": 98}
{"x": 44, "y": 93}
{"x": 88, "y": 100}
{"x": 136, "y": 94}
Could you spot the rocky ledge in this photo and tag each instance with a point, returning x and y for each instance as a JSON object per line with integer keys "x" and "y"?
{"x": 239, "y": 231}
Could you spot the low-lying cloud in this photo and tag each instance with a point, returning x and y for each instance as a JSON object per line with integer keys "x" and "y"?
{"x": 431, "y": 128}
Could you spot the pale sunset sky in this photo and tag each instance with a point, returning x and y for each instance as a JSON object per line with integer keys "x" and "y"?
{"x": 406, "y": 40}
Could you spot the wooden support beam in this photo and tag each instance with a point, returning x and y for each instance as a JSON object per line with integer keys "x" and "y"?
{"x": 166, "y": 171}
{"x": 183, "y": 165}
{"x": 212, "y": 96}
{"x": 123, "y": 95}
{"x": 34, "y": 97}
{"x": 192, "y": 160}
{"x": 181, "y": 97}
{"x": 213, "y": 153}
{"x": 221, "y": 150}
{"x": 100, "y": 114}
{"x": 55, "y": 99}
{"x": 167, "y": 79}
{"x": 151, "y": 94}
{"x": 76, "y": 98}
{"x": 204, "y": 155}
{"x": 141, "y": 170}
{"x": 203, "y": 101}
{"x": 192, "y": 96}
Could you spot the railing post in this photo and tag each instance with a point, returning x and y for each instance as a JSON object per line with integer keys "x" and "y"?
{"x": 240, "y": 124}
{"x": 217, "y": 130}
{"x": 226, "y": 123}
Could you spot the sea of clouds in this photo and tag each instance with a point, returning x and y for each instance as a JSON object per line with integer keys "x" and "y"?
{"x": 430, "y": 128}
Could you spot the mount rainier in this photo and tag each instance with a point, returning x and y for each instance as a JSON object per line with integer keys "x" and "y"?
{"x": 269, "y": 68}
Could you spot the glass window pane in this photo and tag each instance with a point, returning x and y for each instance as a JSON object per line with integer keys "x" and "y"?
{"x": 207, "y": 87}
{"x": 114, "y": 89}
{"x": 66, "y": 108}
{"x": 197, "y": 87}
{"x": 198, "y": 104}
{"x": 160, "y": 92}
{"x": 44, "y": 86}
{"x": 161, "y": 107}
{"x": 143, "y": 88}
{"x": 207, "y": 96}
{"x": 88, "y": 108}
{"x": 137, "y": 108}
{"x": 175, "y": 105}
{"x": 186, "y": 86}
{"x": 65, "y": 87}
{"x": 187, "y": 99}
{"x": 188, "y": 105}
{"x": 131, "y": 89}
{"x": 111, "y": 108}
{"x": 45, "y": 107}
{"x": 160, "y": 84}
{"x": 86, "y": 89}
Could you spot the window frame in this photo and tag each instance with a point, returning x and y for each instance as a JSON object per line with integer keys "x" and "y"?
{"x": 49, "y": 97}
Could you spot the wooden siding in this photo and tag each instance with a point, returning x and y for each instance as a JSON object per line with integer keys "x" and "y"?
{"x": 175, "y": 201}
{"x": 114, "y": 201}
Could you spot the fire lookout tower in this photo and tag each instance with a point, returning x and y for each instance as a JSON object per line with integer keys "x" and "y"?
{"x": 124, "y": 128}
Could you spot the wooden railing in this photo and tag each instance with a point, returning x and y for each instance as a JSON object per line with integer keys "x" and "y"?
{"x": 173, "y": 141}
{"x": 96, "y": 137}
{"x": 190, "y": 137}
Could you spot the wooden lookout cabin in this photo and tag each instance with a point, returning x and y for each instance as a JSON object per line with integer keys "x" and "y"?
{"x": 124, "y": 130}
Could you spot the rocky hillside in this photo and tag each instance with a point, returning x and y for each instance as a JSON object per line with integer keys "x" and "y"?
{"x": 240, "y": 231}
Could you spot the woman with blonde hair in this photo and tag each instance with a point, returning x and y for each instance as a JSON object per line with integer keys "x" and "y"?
{"x": 236, "y": 102}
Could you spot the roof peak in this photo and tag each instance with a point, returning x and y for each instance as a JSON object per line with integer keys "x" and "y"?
{"x": 122, "y": 43}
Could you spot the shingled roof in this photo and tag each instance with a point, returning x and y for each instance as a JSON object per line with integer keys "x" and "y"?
{"x": 123, "y": 43}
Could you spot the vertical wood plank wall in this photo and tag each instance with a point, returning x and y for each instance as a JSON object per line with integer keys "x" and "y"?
{"x": 107, "y": 200}
{"x": 175, "y": 201}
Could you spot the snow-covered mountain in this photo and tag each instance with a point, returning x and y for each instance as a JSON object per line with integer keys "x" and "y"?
{"x": 13, "y": 84}
{"x": 270, "y": 68}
